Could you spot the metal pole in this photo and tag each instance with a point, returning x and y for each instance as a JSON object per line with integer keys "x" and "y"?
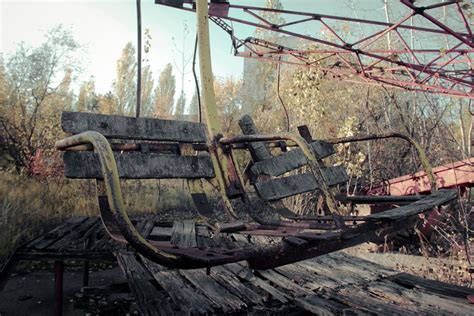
{"x": 221, "y": 162}
{"x": 139, "y": 59}
{"x": 85, "y": 275}
{"x": 58, "y": 287}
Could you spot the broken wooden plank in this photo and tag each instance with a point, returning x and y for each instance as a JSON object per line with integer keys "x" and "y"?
{"x": 181, "y": 292}
{"x": 115, "y": 126}
{"x": 137, "y": 165}
{"x": 225, "y": 300}
{"x": 426, "y": 203}
{"x": 258, "y": 150}
{"x": 244, "y": 273}
{"x": 235, "y": 286}
{"x": 183, "y": 234}
{"x": 160, "y": 233}
{"x": 359, "y": 299}
{"x": 150, "y": 301}
{"x": 145, "y": 227}
{"x": 279, "y": 188}
{"x": 290, "y": 160}
{"x": 74, "y": 236}
{"x": 54, "y": 235}
{"x": 411, "y": 281}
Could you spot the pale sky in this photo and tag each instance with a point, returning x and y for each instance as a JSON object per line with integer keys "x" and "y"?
{"x": 105, "y": 26}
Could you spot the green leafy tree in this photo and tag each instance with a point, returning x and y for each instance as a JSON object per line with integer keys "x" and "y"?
{"x": 87, "y": 99}
{"x": 125, "y": 85}
{"x": 147, "y": 92}
{"x": 180, "y": 105}
{"x": 260, "y": 76}
{"x": 34, "y": 92}
{"x": 194, "y": 107}
{"x": 164, "y": 93}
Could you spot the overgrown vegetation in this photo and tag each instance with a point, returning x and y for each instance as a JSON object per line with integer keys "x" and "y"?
{"x": 36, "y": 84}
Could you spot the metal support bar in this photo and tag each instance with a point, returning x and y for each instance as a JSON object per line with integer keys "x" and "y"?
{"x": 85, "y": 273}
{"x": 58, "y": 287}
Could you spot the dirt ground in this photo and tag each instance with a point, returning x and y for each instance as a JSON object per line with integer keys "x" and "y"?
{"x": 30, "y": 291}
{"x": 447, "y": 270}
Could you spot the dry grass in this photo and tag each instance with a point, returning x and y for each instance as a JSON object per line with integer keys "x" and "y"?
{"x": 30, "y": 207}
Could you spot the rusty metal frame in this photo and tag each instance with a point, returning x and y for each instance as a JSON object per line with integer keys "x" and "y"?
{"x": 446, "y": 71}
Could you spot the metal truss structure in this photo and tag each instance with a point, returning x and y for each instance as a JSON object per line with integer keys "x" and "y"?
{"x": 428, "y": 48}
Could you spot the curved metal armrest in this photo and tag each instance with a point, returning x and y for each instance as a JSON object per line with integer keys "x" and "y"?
{"x": 114, "y": 195}
{"x": 305, "y": 148}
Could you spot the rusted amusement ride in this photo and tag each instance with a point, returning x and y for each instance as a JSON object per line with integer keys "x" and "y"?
{"x": 110, "y": 148}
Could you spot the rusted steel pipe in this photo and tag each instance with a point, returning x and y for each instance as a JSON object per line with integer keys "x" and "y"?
{"x": 421, "y": 153}
{"x": 58, "y": 287}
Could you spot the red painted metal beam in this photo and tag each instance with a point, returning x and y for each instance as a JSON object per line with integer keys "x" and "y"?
{"x": 445, "y": 70}
{"x": 459, "y": 174}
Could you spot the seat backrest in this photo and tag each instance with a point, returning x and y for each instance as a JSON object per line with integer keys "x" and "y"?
{"x": 144, "y": 148}
{"x": 267, "y": 172}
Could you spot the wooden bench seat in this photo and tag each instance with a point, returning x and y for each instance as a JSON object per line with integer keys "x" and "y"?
{"x": 268, "y": 172}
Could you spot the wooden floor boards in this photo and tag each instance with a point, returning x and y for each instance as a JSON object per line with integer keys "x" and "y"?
{"x": 332, "y": 284}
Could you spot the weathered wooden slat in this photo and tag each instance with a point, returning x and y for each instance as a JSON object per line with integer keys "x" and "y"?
{"x": 258, "y": 150}
{"x": 244, "y": 273}
{"x": 56, "y": 234}
{"x": 74, "y": 236}
{"x": 181, "y": 292}
{"x": 235, "y": 286}
{"x": 411, "y": 281}
{"x": 137, "y": 165}
{"x": 417, "y": 300}
{"x": 115, "y": 126}
{"x": 226, "y": 301}
{"x": 438, "y": 198}
{"x": 358, "y": 298}
{"x": 290, "y": 160}
{"x": 283, "y": 187}
{"x": 184, "y": 234}
{"x": 150, "y": 301}
{"x": 161, "y": 233}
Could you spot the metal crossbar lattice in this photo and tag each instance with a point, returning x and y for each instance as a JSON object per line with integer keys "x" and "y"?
{"x": 428, "y": 48}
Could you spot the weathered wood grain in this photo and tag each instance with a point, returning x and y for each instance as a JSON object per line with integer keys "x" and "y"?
{"x": 283, "y": 187}
{"x": 160, "y": 233}
{"x": 412, "y": 281}
{"x": 428, "y": 202}
{"x": 258, "y": 150}
{"x": 56, "y": 234}
{"x": 181, "y": 292}
{"x": 150, "y": 301}
{"x": 137, "y": 165}
{"x": 235, "y": 286}
{"x": 225, "y": 300}
{"x": 290, "y": 160}
{"x": 183, "y": 234}
{"x": 244, "y": 273}
{"x": 115, "y": 126}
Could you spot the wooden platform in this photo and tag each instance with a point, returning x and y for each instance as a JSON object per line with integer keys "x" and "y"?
{"x": 332, "y": 284}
